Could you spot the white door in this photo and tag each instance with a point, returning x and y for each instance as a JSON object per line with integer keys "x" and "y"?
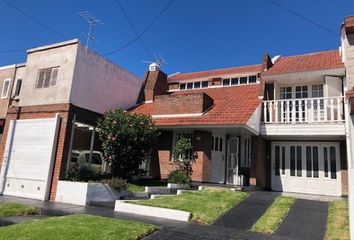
{"x": 232, "y": 161}
{"x": 218, "y": 159}
{"x": 310, "y": 167}
{"x": 28, "y": 158}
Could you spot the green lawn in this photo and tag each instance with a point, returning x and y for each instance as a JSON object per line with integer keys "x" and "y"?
{"x": 76, "y": 227}
{"x": 275, "y": 214}
{"x": 206, "y": 205}
{"x": 139, "y": 186}
{"x": 16, "y": 209}
{"x": 338, "y": 221}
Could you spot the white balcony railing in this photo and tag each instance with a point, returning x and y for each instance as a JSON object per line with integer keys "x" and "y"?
{"x": 304, "y": 110}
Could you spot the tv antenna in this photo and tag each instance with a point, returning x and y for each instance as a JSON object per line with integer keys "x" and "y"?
{"x": 92, "y": 21}
{"x": 159, "y": 60}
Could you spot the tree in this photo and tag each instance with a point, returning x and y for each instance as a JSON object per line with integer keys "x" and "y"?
{"x": 127, "y": 139}
{"x": 182, "y": 153}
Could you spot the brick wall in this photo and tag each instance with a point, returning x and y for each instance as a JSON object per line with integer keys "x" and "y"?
{"x": 182, "y": 104}
{"x": 173, "y": 86}
{"x": 202, "y": 165}
{"x": 164, "y": 154}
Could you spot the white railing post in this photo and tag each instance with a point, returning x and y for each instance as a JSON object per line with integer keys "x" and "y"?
{"x": 299, "y": 102}
{"x": 265, "y": 111}
{"x": 332, "y": 109}
{"x": 276, "y": 111}
{"x": 271, "y": 111}
{"x": 282, "y": 111}
{"x": 339, "y": 100}
{"x": 306, "y": 107}
{"x": 311, "y": 111}
{"x": 293, "y": 111}
{"x": 325, "y": 106}
{"x": 287, "y": 111}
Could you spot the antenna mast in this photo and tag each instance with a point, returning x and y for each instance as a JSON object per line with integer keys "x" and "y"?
{"x": 92, "y": 21}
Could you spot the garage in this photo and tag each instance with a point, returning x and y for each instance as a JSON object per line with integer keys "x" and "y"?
{"x": 29, "y": 158}
{"x": 306, "y": 167}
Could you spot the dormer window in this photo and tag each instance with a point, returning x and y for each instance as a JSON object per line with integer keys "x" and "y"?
{"x": 252, "y": 79}
{"x": 243, "y": 80}
{"x": 182, "y": 86}
{"x": 234, "y": 81}
{"x": 190, "y": 85}
{"x": 196, "y": 85}
{"x": 205, "y": 84}
{"x": 226, "y": 82}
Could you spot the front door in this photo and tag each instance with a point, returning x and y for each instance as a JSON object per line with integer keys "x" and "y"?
{"x": 232, "y": 160}
{"x": 218, "y": 159}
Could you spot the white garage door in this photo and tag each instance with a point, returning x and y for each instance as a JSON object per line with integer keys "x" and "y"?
{"x": 28, "y": 158}
{"x": 310, "y": 167}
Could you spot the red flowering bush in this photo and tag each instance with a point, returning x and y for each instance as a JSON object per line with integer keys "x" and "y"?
{"x": 127, "y": 139}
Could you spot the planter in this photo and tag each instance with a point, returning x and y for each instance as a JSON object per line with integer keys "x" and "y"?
{"x": 82, "y": 193}
{"x": 178, "y": 186}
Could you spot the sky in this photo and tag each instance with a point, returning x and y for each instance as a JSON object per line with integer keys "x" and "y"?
{"x": 191, "y": 35}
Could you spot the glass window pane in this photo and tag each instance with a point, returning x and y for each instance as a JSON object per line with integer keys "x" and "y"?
{"x": 315, "y": 162}
{"x": 283, "y": 161}
{"x": 204, "y": 84}
{"x": 325, "y": 159}
{"x": 212, "y": 143}
{"x": 308, "y": 162}
{"x": 226, "y": 82}
{"x": 197, "y": 85}
{"x": 189, "y": 85}
{"x": 234, "y": 81}
{"x": 243, "y": 80}
{"x": 182, "y": 86}
{"x": 332, "y": 157}
{"x": 276, "y": 164}
{"x": 292, "y": 161}
{"x": 220, "y": 145}
{"x": 252, "y": 79}
{"x": 216, "y": 144}
{"x": 299, "y": 161}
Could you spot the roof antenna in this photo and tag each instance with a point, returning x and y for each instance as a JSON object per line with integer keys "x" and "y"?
{"x": 155, "y": 66}
{"x": 92, "y": 21}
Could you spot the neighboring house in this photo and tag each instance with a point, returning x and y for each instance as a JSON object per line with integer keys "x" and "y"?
{"x": 59, "y": 94}
{"x": 293, "y": 140}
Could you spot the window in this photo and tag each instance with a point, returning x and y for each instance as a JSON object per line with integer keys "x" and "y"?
{"x": 5, "y": 88}
{"x": 299, "y": 161}
{"x": 332, "y": 160}
{"x": 292, "y": 160}
{"x": 285, "y": 93}
{"x": 318, "y": 104}
{"x": 301, "y": 92}
{"x": 226, "y": 82}
{"x": 312, "y": 161}
{"x": 182, "y": 86}
{"x": 325, "y": 159}
{"x": 197, "y": 85}
{"x": 220, "y": 145}
{"x": 205, "y": 84}
{"x": 234, "y": 81}
{"x": 317, "y": 91}
{"x": 47, "y": 77}
{"x": 283, "y": 160}
{"x": 243, "y": 80}
{"x": 190, "y": 85}
{"x": 178, "y": 136}
{"x": 18, "y": 87}
{"x": 217, "y": 144}
{"x": 277, "y": 161}
{"x": 247, "y": 153}
{"x": 252, "y": 79}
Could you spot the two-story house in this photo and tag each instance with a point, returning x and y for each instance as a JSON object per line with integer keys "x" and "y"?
{"x": 278, "y": 125}
{"x": 49, "y": 109}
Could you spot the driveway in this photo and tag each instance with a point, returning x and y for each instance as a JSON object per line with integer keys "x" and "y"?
{"x": 306, "y": 220}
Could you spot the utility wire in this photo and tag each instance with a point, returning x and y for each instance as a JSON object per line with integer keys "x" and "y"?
{"x": 304, "y": 18}
{"x": 142, "y": 33}
{"x": 50, "y": 29}
{"x": 134, "y": 29}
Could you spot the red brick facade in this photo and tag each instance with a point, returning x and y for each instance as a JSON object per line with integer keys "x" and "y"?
{"x": 182, "y": 104}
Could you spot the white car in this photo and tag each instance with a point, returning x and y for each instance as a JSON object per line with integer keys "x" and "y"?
{"x": 98, "y": 165}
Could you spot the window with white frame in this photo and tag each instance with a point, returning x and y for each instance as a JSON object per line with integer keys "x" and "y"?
{"x": 247, "y": 153}
{"x": 178, "y": 136}
{"x": 17, "y": 91}
{"x": 193, "y": 85}
{"x": 241, "y": 80}
{"x": 47, "y": 77}
{"x": 5, "y": 88}
{"x": 217, "y": 144}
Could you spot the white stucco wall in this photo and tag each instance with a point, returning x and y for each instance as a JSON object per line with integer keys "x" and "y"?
{"x": 61, "y": 55}
{"x": 100, "y": 85}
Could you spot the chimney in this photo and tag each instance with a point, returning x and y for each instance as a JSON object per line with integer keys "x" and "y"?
{"x": 266, "y": 62}
{"x": 155, "y": 83}
{"x": 347, "y": 50}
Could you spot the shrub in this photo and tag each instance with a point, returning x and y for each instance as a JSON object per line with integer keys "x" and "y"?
{"x": 178, "y": 177}
{"x": 126, "y": 140}
{"x": 80, "y": 174}
{"x": 182, "y": 147}
{"x": 116, "y": 183}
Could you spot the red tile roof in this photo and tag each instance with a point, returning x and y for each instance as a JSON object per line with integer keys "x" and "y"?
{"x": 216, "y": 72}
{"x": 306, "y": 62}
{"x": 232, "y": 106}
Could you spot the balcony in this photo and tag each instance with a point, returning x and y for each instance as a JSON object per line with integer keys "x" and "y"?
{"x": 303, "y": 117}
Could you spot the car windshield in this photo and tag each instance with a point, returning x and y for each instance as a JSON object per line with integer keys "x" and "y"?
{"x": 96, "y": 158}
